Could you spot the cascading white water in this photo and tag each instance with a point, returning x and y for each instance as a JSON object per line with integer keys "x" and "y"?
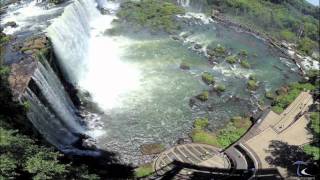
{"x": 47, "y": 123}
{"x": 90, "y": 59}
{"x": 70, "y": 34}
{"x": 52, "y": 111}
{"x": 56, "y": 96}
{"x": 184, "y": 3}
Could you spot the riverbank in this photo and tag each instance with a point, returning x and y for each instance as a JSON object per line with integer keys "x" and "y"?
{"x": 285, "y": 48}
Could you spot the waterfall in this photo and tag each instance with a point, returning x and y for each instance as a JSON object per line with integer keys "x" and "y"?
{"x": 184, "y": 3}
{"x": 70, "y": 34}
{"x": 51, "y": 110}
{"x": 49, "y": 126}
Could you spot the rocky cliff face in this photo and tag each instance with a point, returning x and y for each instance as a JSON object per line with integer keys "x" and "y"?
{"x": 20, "y": 76}
{"x": 22, "y": 71}
{"x": 35, "y": 84}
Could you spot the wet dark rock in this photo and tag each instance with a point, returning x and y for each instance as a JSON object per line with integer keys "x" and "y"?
{"x": 89, "y": 143}
{"x": 149, "y": 149}
{"x": 176, "y": 38}
{"x": 192, "y": 102}
{"x": 210, "y": 107}
{"x": 104, "y": 11}
{"x": 184, "y": 140}
{"x": 11, "y": 24}
{"x": 184, "y": 66}
{"x": 197, "y": 46}
{"x": 286, "y": 76}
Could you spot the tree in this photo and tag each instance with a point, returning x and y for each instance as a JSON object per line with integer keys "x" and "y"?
{"x": 19, "y": 153}
{"x": 306, "y": 46}
{"x": 45, "y": 165}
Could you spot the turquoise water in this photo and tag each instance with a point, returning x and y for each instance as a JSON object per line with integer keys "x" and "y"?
{"x": 158, "y": 111}
{"x": 136, "y": 80}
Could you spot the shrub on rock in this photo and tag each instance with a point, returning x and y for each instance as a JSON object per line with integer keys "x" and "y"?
{"x": 220, "y": 88}
{"x": 208, "y": 78}
{"x": 231, "y": 59}
{"x": 201, "y": 123}
{"x": 252, "y": 85}
{"x": 204, "y": 96}
{"x": 245, "y": 64}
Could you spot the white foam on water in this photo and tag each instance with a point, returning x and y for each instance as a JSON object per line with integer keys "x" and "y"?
{"x": 25, "y": 15}
{"x": 107, "y": 76}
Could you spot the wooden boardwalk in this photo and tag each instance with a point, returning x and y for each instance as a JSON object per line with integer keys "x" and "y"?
{"x": 194, "y": 153}
{"x": 251, "y": 150}
{"x": 289, "y": 126}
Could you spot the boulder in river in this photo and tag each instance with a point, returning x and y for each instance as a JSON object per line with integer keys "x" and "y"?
{"x": 184, "y": 66}
{"x": 89, "y": 143}
{"x": 153, "y": 148}
{"x": 283, "y": 90}
{"x": 11, "y": 24}
{"x": 197, "y": 46}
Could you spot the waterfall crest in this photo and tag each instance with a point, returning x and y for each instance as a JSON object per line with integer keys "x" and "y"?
{"x": 70, "y": 34}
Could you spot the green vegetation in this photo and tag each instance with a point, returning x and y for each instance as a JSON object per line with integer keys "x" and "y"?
{"x": 225, "y": 137}
{"x": 291, "y": 20}
{"x": 201, "y": 123}
{"x": 269, "y": 95}
{"x": 231, "y": 59}
{"x": 208, "y": 78}
{"x": 313, "y": 149}
{"x": 277, "y": 109}
{"x": 22, "y": 154}
{"x": 244, "y": 63}
{"x": 4, "y": 38}
{"x": 233, "y": 131}
{"x": 220, "y": 88}
{"x": 287, "y": 35}
{"x": 152, "y": 14}
{"x": 199, "y": 134}
{"x": 218, "y": 51}
{"x": 252, "y": 85}
{"x": 4, "y": 70}
{"x": 315, "y": 122}
{"x": 204, "y": 96}
{"x": 243, "y": 53}
{"x": 143, "y": 170}
{"x": 306, "y": 46}
{"x": 285, "y": 98}
{"x": 26, "y": 105}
